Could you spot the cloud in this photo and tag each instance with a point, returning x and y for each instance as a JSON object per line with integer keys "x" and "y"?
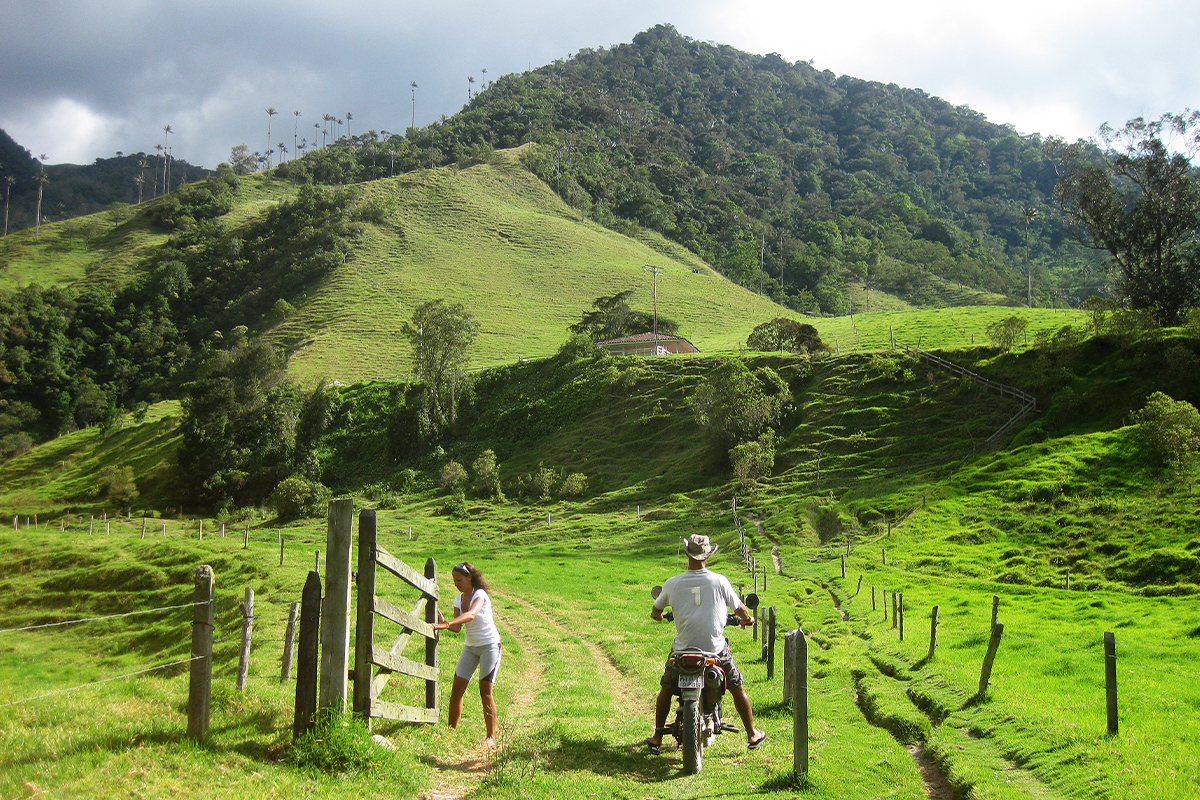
{"x": 84, "y": 79}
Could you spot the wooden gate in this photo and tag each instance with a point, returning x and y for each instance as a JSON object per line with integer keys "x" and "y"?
{"x": 368, "y": 684}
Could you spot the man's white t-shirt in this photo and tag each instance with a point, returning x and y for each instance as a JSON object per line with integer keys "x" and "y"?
{"x": 481, "y": 630}
{"x": 701, "y": 601}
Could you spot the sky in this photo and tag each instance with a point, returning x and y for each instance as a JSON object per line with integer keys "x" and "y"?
{"x": 82, "y": 79}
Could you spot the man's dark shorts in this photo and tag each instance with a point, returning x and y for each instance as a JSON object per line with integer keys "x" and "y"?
{"x": 733, "y": 678}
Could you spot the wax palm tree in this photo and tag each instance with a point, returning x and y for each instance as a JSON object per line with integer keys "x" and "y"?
{"x": 1029, "y": 214}
{"x": 140, "y": 180}
{"x": 283, "y": 151}
{"x": 483, "y": 79}
{"x": 316, "y": 130}
{"x": 296, "y": 133}
{"x": 413, "y": 86}
{"x": 9, "y": 180}
{"x": 167, "y": 163}
{"x": 349, "y": 117}
{"x": 328, "y": 129}
{"x": 159, "y": 148}
{"x": 470, "y": 86}
{"x": 42, "y": 180}
{"x": 271, "y": 112}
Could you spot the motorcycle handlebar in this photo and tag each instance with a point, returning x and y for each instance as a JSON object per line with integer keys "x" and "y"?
{"x": 731, "y": 619}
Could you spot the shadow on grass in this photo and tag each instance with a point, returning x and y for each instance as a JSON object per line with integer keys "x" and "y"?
{"x": 596, "y": 755}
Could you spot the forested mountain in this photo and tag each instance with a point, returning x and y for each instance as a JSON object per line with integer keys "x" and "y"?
{"x": 72, "y": 190}
{"x": 750, "y": 160}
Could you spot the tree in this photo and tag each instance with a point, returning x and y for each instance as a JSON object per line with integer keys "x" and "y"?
{"x": 413, "y": 86}
{"x": 239, "y": 426}
{"x": 1004, "y": 332}
{"x": 441, "y": 336}
{"x": 271, "y": 112}
{"x": 242, "y": 160}
{"x": 612, "y": 317}
{"x": 1171, "y": 430}
{"x": 1140, "y": 202}
{"x": 42, "y": 180}
{"x": 785, "y": 334}
{"x": 9, "y": 180}
{"x": 736, "y": 405}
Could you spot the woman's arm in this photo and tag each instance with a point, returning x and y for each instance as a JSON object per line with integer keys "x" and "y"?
{"x": 456, "y": 624}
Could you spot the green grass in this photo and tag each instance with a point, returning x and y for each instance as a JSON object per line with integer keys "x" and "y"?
{"x": 581, "y": 654}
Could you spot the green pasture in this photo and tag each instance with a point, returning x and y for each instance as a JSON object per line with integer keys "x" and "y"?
{"x": 572, "y": 595}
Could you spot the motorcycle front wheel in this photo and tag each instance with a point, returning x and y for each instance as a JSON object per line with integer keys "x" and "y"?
{"x": 690, "y": 742}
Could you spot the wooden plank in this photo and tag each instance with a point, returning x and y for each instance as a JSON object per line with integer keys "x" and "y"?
{"x": 404, "y": 666}
{"x": 405, "y": 572}
{"x": 401, "y": 713}
{"x": 400, "y": 617}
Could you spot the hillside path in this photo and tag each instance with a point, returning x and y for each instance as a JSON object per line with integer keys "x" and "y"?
{"x": 462, "y": 770}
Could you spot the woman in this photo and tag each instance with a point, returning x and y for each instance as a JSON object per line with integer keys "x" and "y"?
{"x": 473, "y": 611}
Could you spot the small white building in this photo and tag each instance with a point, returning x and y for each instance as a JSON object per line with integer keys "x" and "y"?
{"x": 647, "y": 344}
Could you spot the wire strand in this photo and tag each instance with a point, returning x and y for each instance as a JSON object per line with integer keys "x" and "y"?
{"x": 97, "y": 619}
{"x": 104, "y": 680}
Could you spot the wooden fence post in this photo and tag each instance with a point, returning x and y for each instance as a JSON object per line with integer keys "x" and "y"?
{"x": 895, "y": 612}
{"x": 800, "y": 707}
{"x": 431, "y": 651}
{"x": 1110, "y": 681}
{"x": 993, "y": 645}
{"x": 843, "y": 557}
{"x": 770, "y": 644}
{"x": 364, "y": 631}
{"x": 335, "y": 606}
{"x": 933, "y": 623}
{"x": 995, "y": 609}
{"x": 901, "y": 607}
{"x": 789, "y": 666}
{"x": 289, "y": 643}
{"x": 247, "y": 634}
{"x": 307, "y": 666}
{"x": 246, "y": 537}
{"x": 200, "y": 679}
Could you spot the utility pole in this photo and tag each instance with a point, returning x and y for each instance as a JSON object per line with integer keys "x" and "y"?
{"x": 654, "y": 272}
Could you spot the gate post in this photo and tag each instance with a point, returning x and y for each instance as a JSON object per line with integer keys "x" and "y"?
{"x": 364, "y": 635}
{"x": 306, "y": 663}
{"x": 335, "y": 607}
{"x": 431, "y": 653}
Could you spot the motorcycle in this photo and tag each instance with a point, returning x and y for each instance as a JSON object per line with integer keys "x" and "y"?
{"x": 701, "y": 689}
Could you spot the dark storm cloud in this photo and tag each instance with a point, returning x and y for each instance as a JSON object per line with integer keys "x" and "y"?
{"x": 81, "y": 78}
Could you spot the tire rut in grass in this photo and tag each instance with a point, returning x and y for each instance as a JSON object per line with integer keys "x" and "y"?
{"x": 622, "y": 698}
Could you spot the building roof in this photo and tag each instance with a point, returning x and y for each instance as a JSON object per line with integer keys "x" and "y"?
{"x": 643, "y": 337}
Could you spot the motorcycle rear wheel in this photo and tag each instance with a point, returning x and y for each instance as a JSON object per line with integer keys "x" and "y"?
{"x": 689, "y": 740}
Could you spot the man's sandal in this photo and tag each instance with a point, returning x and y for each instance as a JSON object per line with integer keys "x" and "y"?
{"x": 756, "y": 741}
{"x": 653, "y": 748}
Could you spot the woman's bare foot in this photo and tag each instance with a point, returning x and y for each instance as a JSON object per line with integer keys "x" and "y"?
{"x": 489, "y": 742}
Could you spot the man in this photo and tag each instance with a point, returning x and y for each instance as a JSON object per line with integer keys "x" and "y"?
{"x": 700, "y": 600}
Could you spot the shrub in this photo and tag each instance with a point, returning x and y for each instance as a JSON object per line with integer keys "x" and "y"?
{"x": 116, "y": 484}
{"x": 341, "y": 743}
{"x": 487, "y": 475}
{"x": 575, "y": 485}
{"x": 456, "y": 505}
{"x": 1171, "y": 430}
{"x": 297, "y": 496}
{"x": 1004, "y": 332}
{"x": 14, "y": 444}
{"x": 453, "y": 476}
{"x": 541, "y": 483}
{"x": 753, "y": 461}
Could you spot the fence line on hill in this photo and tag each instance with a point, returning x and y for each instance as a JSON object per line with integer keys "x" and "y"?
{"x": 997, "y": 632}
